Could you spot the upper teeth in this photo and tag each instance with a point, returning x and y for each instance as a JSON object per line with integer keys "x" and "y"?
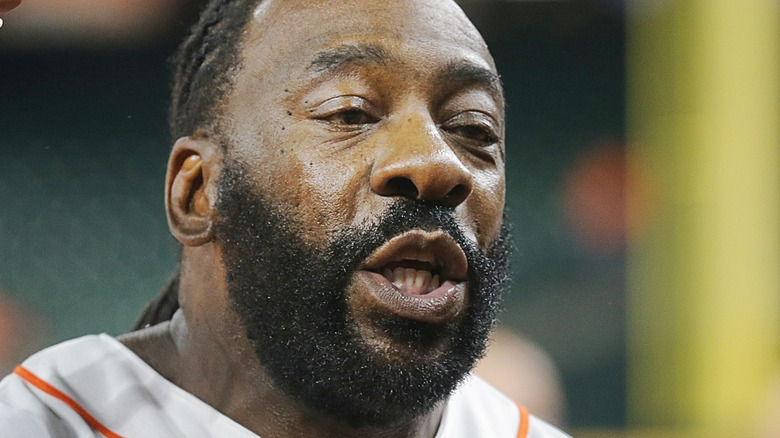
{"x": 412, "y": 277}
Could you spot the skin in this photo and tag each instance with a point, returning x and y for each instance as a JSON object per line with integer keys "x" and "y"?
{"x": 333, "y": 144}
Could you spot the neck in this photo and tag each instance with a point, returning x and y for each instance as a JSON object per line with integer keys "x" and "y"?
{"x": 204, "y": 350}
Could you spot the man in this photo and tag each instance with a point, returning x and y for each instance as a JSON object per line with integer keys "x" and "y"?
{"x": 337, "y": 187}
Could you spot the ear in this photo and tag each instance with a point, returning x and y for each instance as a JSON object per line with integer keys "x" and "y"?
{"x": 190, "y": 190}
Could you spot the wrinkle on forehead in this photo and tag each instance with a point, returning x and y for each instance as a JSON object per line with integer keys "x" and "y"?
{"x": 403, "y": 19}
{"x": 328, "y": 60}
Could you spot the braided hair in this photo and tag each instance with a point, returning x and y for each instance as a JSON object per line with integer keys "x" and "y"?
{"x": 203, "y": 70}
{"x": 205, "y": 64}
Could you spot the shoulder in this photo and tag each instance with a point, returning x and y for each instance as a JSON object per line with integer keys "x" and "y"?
{"x": 26, "y": 399}
{"x": 96, "y": 386}
{"x": 23, "y": 415}
{"x": 478, "y": 409}
{"x": 67, "y": 390}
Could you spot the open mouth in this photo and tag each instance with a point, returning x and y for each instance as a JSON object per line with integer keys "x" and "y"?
{"x": 412, "y": 278}
{"x": 418, "y": 262}
{"x": 418, "y": 275}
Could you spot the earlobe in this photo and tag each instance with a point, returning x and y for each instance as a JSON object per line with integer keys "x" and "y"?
{"x": 190, "y": 188}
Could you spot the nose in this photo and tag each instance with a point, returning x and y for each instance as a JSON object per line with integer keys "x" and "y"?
{"x": 416, "y": 162}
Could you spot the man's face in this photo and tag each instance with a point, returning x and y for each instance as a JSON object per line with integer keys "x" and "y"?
{"x": 361, "y": 201}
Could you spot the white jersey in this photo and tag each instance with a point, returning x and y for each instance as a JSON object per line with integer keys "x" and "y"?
{"x": 94, "y": 386}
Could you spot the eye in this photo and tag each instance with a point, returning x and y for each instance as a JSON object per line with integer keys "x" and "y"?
{"x": 346, "y": 112}
{"x": 475, "y": 132}
{"x": 474, "y": 126}
{"x": 351, "y": 116}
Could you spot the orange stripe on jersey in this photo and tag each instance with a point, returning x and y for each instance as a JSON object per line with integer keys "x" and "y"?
{"x": 36, "y": 381}
{"x": 522, "y": 432}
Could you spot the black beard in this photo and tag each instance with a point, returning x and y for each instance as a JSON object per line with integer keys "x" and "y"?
{"x": 292, "y": 298}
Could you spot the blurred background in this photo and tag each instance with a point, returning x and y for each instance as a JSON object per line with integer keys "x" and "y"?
{"x": 643, "y": 185}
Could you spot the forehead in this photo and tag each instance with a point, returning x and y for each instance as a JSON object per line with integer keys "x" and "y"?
{"x": 290, "y": 33}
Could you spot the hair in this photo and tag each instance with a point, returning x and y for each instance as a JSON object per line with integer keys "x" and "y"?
{"x": 204, "y": 67}
{"x": 162, "y": 307}
{"x": 205, "y": 64}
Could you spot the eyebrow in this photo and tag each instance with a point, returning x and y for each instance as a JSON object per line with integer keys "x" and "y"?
{"x": 460, "y": 72}
{"x": 464, "y": 72}
{"x": 337, "y": 58}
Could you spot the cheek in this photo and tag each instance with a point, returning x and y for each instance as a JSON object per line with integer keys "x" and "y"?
{"x": 324, "y": 188}
{"x": 486, "y": 206}
{"x": 332, "y": 191}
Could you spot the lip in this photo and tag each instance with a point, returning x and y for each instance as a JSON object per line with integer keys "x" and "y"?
{"x": 437, "y": 246}
{"x": 437, "y": 306}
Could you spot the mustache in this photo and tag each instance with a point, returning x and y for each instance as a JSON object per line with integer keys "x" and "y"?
{"x": 401, "y": 216}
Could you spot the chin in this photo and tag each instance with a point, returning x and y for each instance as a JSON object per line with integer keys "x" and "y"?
{"x": 395, "y": 341}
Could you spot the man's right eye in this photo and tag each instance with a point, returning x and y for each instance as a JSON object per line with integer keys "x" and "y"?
{"x": 352, "y": 116}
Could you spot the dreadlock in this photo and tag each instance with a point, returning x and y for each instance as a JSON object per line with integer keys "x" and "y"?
{"x": 163, "y": 306}
{"x": 203, "y": 70}
{"x": 204, "y": 65}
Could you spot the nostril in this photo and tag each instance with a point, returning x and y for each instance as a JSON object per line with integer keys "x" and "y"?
{"x": 400, "y": 186}
{"x": 457, "y": 195}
